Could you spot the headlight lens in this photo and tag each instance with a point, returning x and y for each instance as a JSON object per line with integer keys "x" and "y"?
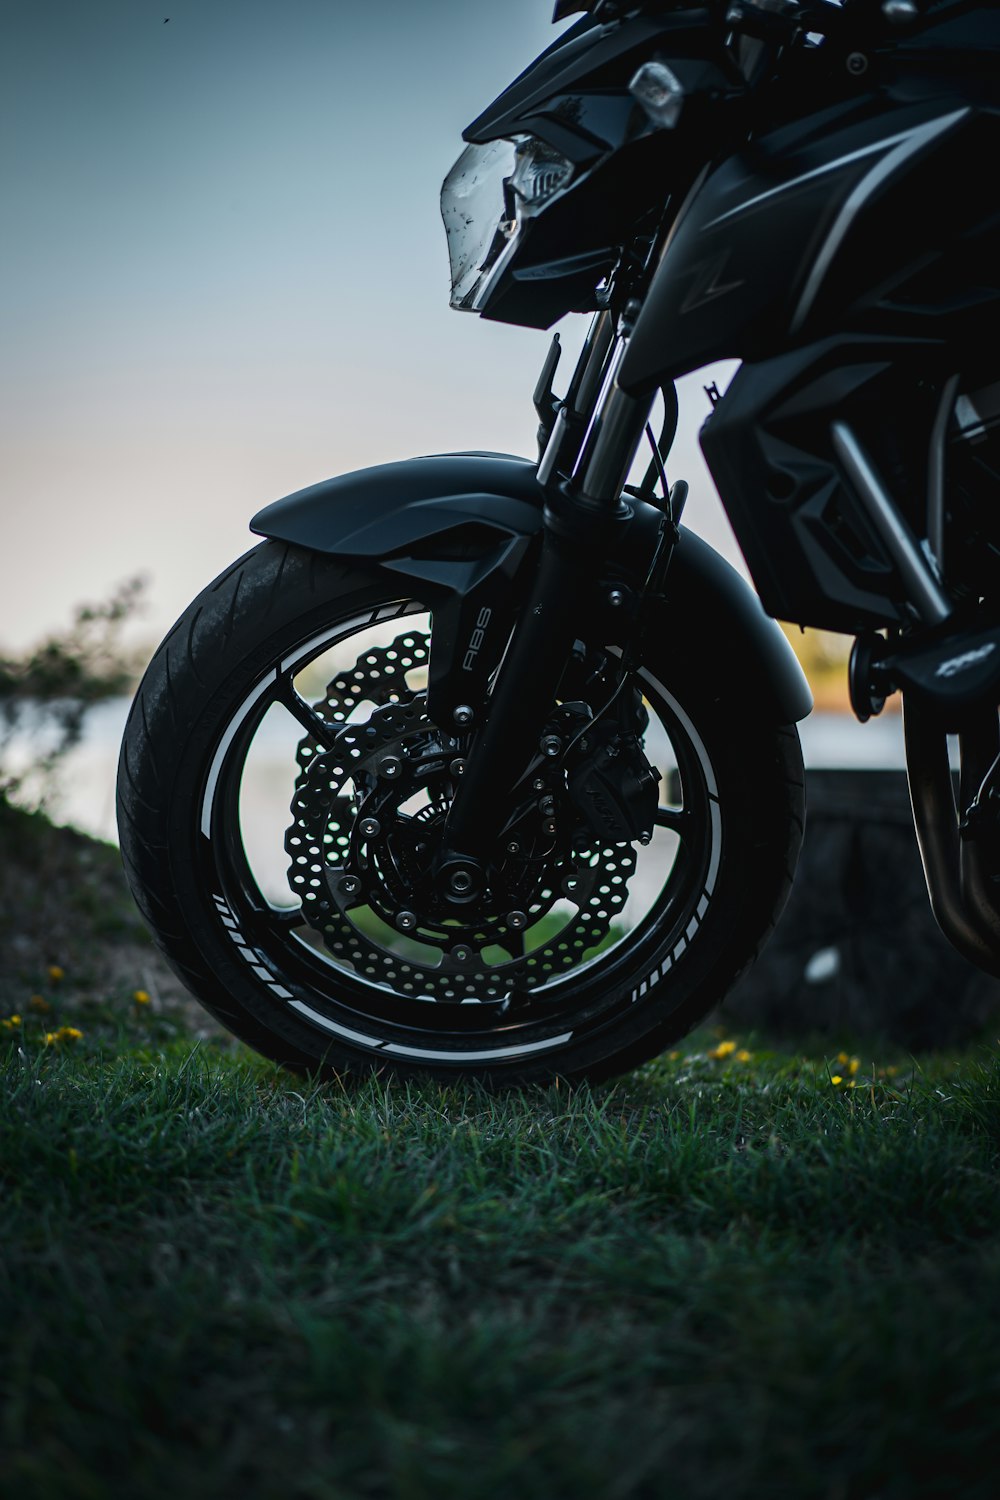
{"x": 540, "y": 174}
{"x": 486, "y": 196}
{"x": 473, "y": 209}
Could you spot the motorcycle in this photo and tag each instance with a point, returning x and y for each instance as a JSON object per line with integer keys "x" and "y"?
{"x": 544, "y": 790}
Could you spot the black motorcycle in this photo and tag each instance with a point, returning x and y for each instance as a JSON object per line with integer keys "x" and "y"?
{"x": 544, "y": 790}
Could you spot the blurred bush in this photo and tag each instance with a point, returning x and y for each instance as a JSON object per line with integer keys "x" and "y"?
{"x": 823, "y": 656}
{"x": 47, "y": 692}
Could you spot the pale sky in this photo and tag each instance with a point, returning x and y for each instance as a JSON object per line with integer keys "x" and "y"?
{"x": 225, "y": 277}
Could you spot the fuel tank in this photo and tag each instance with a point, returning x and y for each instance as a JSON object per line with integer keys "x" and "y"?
{"x": 870, "y": 217}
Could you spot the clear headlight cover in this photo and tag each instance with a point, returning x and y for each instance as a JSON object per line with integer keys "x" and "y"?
{"x": 486, "y": 196}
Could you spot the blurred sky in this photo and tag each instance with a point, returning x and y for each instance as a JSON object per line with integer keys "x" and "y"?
{"x": 224, "y": 277}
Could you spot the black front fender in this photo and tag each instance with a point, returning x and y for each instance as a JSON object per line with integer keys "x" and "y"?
{"x": 462, "y": 523}
{"x": 376, "y": 513}
{"x": 459, "y": 524}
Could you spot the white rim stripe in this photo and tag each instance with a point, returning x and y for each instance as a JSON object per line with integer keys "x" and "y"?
{"x": 224, "y": 744}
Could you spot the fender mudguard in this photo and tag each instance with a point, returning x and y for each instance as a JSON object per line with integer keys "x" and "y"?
{"x": 376, "y": 513}
{"x": 462, "y": 524}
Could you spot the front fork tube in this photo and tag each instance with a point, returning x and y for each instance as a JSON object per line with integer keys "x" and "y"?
{"x": 579, "y": 518}
{"x": 519, "y": 705}
{"x": 610, "y": 442}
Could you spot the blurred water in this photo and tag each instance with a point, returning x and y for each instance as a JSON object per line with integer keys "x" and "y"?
{"x": 87, "y": 798}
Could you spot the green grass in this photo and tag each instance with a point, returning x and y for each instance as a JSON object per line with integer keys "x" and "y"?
{"x": 715, "y": 1278}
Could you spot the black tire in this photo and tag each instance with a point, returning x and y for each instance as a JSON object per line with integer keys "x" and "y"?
{"x": 188, "y": 747}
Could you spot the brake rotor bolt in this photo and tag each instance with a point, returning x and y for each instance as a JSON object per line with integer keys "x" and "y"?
{"x": 463, "y": 715}
{"x": 513, "y": 847}
{"x": 461, "y": 954}
{"x": 517, "y": 921}
{"x": 390, "y": 766}
{"x": 616, "y": 598}
{"x": 538, "y": 785}
{"x": 370, "y": 827}
{"x": 406, "y": 921}
{"x": 551, "y": 744}
{"x": 857, "y": 63}
{"x": 457, "y": 767}
{"x": 350, "y": 885}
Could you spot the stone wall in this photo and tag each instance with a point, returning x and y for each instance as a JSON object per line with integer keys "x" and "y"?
{"x": 857, "y": 950}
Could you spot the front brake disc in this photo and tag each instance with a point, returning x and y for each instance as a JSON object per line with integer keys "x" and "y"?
{"x": 367, "y": 818}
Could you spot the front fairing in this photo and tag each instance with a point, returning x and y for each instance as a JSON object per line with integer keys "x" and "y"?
{"x": 590, "y": 58}
{"x": 618, "y": 167}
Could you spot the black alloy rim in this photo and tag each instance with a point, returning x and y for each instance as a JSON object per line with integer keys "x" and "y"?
{"x": 339, "y": 1000}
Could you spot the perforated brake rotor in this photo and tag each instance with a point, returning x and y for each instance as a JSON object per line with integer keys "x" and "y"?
{"x": 367, "y": 817}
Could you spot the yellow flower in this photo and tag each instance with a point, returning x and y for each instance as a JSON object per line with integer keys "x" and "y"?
{"x": 842, "y": 1058}
{"x": 724, "y": 1049}
{"x": 673, "y": 1056}
{"x": 141, "y": 997}
{"x": 836, "y": 1079}
{"x": 743, "y": 1055}
{"x": 853, "y": 1066}
{"x": 64, "y": 1034}
{"x": 11, "y": 1023}
{"x": 56, "y": 972}
{"x": 38, "y": 1003}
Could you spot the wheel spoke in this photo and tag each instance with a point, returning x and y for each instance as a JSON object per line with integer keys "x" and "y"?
{"x": 676, "y": 819}
{"x": 315, "y": 726}
{"x": 514, "y": 943}
{"x": 281, "y": 919}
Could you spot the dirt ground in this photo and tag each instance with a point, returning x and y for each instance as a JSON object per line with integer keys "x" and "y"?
{"x": 69, "y": 930}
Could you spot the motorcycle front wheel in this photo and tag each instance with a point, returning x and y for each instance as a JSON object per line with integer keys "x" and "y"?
{"x": 280, "y": 790}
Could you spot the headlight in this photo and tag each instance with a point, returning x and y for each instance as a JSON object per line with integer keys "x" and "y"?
{"x": 489, "y": 192}
{"x": 540, "y": 174}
